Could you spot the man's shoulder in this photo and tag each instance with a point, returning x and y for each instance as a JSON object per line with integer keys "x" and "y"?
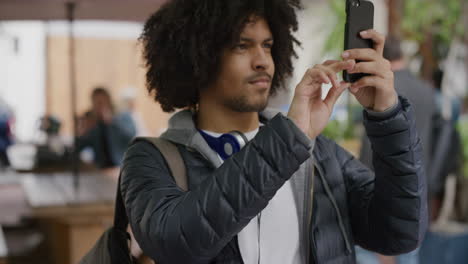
{"x": 142, "y": 148}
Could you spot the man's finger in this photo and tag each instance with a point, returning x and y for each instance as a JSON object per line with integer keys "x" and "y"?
{"x": 330, "y": 73}
{"x": 360, "y": 54}
{"x": 329, "y": 62}
{"x": 369, "y": 81}
{"x": 342, "y": 65}
{"x": 335, "y": 93}
{"x": 315, "y": 75}
{"x": 373, "y": 67}
{"x": 324, "y": 77}
{"x": 377, "y": 38}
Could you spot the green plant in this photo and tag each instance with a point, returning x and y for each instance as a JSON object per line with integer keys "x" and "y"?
{"x": 339, "y": 130}
{"x": 463, "y": 130}
{"x": 334, "y": 43}
{"x": 432, "y": 24}
{"x": 442, "y": 18}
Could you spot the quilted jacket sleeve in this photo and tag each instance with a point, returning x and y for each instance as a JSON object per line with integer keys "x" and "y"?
{"x": 388, "y": 210}
{"x": 173, "y": 226}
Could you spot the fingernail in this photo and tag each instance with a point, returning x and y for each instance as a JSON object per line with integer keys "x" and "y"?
{"x": 345, "y": 54}
{"x": 363, "y": 33}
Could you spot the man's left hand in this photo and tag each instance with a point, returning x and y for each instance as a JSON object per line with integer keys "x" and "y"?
{"x": 377, "y": 91}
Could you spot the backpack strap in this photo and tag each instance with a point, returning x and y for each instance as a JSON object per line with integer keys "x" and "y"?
{"x": 173, "y": 158}
{"x": 120, "y": 216}
{"x": 176, "y": 165}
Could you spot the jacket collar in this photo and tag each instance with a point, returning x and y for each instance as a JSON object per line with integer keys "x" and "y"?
{"x": 182, "y": 130}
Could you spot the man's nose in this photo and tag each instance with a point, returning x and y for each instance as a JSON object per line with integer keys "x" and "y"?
{"x": 261, "y": 61}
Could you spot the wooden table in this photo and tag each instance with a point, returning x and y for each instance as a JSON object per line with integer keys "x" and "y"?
{"x": 13, "y": 204}
{"x": 72, "y": 219}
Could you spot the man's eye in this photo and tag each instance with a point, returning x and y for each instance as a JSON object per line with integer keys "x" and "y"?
{"x": 241, "y": 46}
{"x": 268, "y": 45}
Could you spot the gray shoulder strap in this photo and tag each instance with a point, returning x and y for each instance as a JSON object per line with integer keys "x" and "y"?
{"x": 173, "y": 159}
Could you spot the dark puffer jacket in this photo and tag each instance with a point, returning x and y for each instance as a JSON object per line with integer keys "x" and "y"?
{"x": 386, "y": 213}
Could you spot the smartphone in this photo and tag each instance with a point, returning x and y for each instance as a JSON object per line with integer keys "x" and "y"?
{"x": 359, "y": 17}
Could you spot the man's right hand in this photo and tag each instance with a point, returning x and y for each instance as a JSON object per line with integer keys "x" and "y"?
{"x": 308, "y": 110}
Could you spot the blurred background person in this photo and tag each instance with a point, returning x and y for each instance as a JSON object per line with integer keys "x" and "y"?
{"x": 106, "y": 132}
{"x": 6, "y": 134}
{"x": 446, "y": 144}
{"x": 128, "y": 105}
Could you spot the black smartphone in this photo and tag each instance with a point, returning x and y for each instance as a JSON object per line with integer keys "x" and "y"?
{"x": 359, "y": 17}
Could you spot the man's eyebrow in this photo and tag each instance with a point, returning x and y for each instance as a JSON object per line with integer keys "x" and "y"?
{"x": 252, "y": 40}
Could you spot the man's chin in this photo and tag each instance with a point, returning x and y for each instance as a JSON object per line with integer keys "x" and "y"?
{"x": 259, "y": 107}
{"x": 243, "y": 105}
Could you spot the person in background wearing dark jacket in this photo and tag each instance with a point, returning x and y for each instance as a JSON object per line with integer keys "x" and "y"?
{"x": 263, "y": 187}
{"x": 107, "y": 133}
{"x": 421, "y": 95}
{"x": 6, "y": 133}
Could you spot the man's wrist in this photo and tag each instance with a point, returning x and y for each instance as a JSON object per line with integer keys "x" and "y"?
{"x": 385, "y": 102}
{"x": 388, "y": 113}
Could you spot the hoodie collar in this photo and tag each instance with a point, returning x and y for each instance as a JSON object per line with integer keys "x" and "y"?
{"x": 182, "y": 131}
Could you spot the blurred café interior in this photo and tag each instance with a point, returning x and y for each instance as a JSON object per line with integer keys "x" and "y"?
{"x": 63, "y": 63}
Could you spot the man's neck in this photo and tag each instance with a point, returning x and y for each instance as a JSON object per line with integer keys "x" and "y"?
{"x": 219, "y": 119}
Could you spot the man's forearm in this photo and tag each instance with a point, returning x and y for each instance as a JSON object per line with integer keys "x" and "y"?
{"x": 400, "y": 182}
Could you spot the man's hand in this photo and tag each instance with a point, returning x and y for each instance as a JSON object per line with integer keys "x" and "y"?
{"x": 308, "y": 111}
{"x": 375, "y": 92}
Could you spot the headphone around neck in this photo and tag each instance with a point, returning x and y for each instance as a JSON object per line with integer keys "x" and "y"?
{"x": 226, "y": 145}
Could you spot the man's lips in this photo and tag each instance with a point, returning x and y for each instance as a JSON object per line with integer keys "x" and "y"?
{"x": 260, "y": 82}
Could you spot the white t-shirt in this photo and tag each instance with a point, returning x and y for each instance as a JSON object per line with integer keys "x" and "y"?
{"x": 272, "y": 237}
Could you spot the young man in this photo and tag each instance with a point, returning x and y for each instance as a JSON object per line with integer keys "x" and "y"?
{"x": 221, "y": 60}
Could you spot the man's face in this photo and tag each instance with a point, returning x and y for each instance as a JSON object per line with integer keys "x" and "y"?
{"x": 247, "y": 70}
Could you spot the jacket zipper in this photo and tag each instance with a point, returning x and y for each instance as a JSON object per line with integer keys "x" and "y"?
{"x": 309, "y": 207}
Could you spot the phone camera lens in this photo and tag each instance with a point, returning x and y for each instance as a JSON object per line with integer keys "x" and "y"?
{"x": 355, "y": 3}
